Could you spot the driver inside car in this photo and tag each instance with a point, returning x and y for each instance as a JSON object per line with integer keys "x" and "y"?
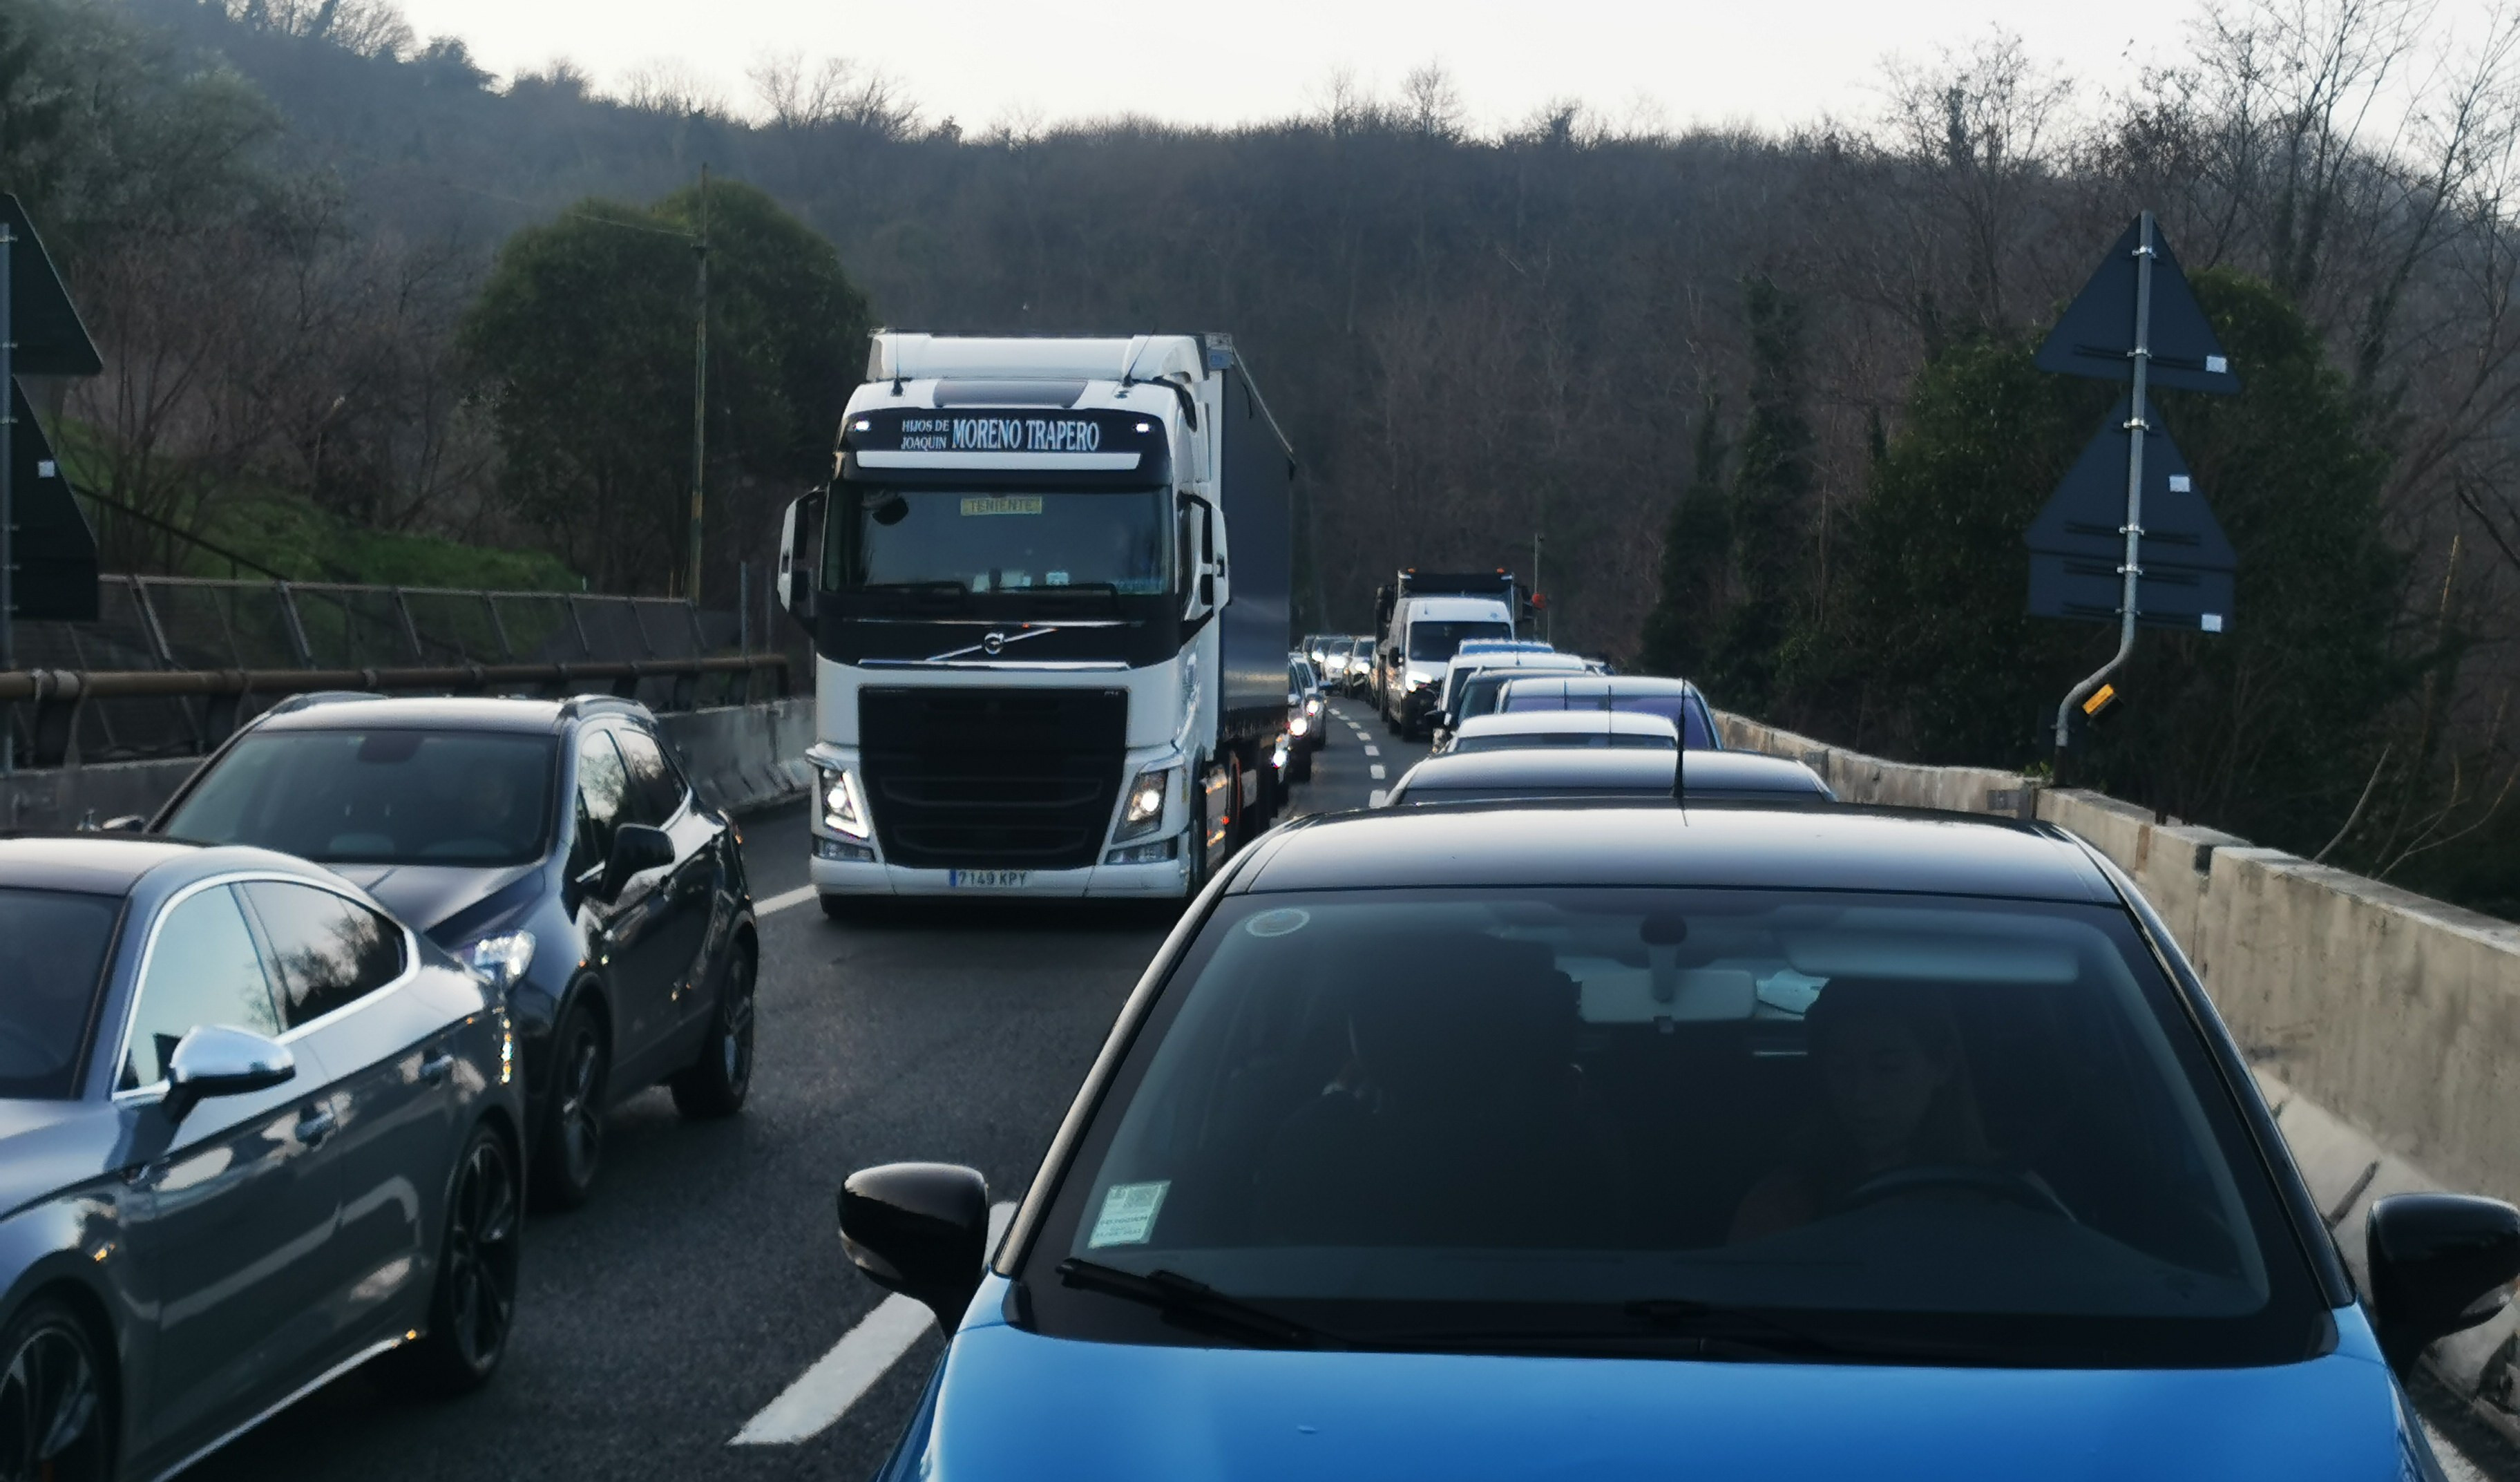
{"x": 1896, "y": 1097}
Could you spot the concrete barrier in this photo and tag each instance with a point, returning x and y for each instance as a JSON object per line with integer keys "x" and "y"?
{"x": 2384, "y": 1026}
{"x": 740, "y": 757}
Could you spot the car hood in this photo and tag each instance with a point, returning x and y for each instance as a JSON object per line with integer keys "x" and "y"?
{"x": 49, "y": 1145}
{"x": 434, "y": 898}
{"x": 1018, "y": 1405}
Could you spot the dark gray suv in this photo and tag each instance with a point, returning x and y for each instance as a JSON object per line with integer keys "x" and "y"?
{"x": 553, "y": 845}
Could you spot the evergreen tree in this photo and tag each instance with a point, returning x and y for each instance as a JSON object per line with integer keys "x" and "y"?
{"x": 1696, "y": 550}
{"x": 1770, "y": 508}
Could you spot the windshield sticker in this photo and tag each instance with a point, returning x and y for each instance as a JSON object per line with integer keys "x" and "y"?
{"x": 1057, "y": 578}
{"x": 1008, "y": 504}
{"x": 1285, "y": 923}
{"x": 1128, "y": 1216}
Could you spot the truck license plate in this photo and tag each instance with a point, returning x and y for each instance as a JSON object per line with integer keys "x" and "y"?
{"x": 986, "y": 880}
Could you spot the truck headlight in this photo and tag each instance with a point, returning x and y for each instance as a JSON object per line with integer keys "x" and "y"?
{"x": 843, "y": 812}
{"x": 501, "y": 958}
{"x": 1419, "y": 679}
{"x": 1141, "y": 812}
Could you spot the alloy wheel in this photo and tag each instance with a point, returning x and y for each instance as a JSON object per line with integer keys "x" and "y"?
{"x": 581, "y": 1108}
{"x": 481, "y": 1249}
{"x": 52, "y": 1408}
{"x": 735, "y": 1043}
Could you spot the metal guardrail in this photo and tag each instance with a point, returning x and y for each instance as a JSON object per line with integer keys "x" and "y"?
{"x": 60, "y": 695}
{"x": 295, "y": 635}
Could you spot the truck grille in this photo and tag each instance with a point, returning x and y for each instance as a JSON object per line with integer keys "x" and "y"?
{"x": 993, "y": 778}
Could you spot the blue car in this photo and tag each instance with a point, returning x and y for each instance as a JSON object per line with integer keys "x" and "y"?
{"x": 1621, "y": 1140}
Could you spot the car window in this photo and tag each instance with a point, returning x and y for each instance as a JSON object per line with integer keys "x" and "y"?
{"x": 52, "y": 969}
{"x": 377, "y": 796}
{"x": 326, "y": 950}
{"x": 603, "y": 796}
{"x": 1984, "y": 1132}
{"x": 202, "y": 969}
{"x": 655, "y": 793}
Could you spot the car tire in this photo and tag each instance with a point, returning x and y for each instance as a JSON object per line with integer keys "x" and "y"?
{"x": 570, "y": 1151}
{"x": 52, "y": 1368}
{"x": 472, "y": 1306}
{"x": 716, "y": 1084}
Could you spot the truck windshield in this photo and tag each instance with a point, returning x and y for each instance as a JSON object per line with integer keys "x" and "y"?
{"x": 1436, "y": 642}
{"x": 1117, "y": 541}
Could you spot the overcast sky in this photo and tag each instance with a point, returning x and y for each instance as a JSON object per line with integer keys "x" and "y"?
{"x": 1673, "y": 62}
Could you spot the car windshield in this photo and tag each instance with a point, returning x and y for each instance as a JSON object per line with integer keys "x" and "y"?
{"x": 1626, "y": 1120}
{"x": 52, "y": 966}
{"x": 1117, "y": 541}
{"x": 1689, "y": 718}
{"x": 1514, "y": 741}
{"x": 1433, "y": 642}
{"x": 379, "y": 797}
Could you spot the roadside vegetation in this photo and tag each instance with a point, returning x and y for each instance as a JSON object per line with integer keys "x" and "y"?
{"x": 1766, "y": 396}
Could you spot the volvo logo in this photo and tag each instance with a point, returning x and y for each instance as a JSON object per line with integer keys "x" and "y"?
{"x": 993, "y": 643}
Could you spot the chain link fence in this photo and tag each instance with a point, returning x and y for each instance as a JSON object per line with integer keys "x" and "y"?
{"x": 194, "y": 623}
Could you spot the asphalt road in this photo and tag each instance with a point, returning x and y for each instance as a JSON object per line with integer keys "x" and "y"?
{"x": 705, "y": 1276}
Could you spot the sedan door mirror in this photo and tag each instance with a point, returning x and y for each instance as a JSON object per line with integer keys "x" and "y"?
{"x": 214, "y": 1060}
{"x": 921, "y": 1229}
{"x": 2441, "y": 1263}
{"x": 636, "y": 847}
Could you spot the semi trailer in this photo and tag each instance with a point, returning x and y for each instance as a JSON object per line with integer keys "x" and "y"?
{"x": 1047, "y": 588}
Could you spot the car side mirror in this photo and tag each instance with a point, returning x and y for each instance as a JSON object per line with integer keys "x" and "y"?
{"x": 2441, "y": 1263}
{"x": 1294, "y": 700}
{"x": 214, "y": 1060}
{"x": 636, "y": 847}
{"x": 921, "y": 1229}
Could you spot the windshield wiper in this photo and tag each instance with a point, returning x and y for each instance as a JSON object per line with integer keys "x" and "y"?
{"x": 1711, "y": 1321}
{"x": 1196, "y": 1304}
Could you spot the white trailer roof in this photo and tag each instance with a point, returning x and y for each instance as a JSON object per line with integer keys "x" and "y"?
{"x": 894, "y": 354}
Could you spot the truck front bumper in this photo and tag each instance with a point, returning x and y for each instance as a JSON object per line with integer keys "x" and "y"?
{"x": 1165, "y": 879}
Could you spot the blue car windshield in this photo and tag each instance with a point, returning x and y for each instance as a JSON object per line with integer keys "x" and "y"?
{"x": 470, "y": 798}
{"x": 52, "y": 966}
{"x": 1634, "y": 1120}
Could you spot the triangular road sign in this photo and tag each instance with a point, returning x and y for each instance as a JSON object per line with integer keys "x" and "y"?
{"x": 50, "y": 339}
{"x": 2077, "y": 541}
{"x": 54, "y": 551}
{"x": 2096, "y": 337}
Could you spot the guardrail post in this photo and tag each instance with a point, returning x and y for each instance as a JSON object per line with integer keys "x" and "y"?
{"x": 410, "y": 629}
{"x": 297, "y": 630}
{"x": 54, "y": 729}
{"x": 506, "y": 649}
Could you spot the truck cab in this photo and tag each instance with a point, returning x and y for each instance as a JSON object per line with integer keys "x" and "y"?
{"x": 1049, "y": 600}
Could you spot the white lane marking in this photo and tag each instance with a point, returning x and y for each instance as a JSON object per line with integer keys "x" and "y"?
{"x": 1372, "y": 751}
{"x": 840, "y": 1378}
{"x": 1376, "y": 770}
{"x": 782, "y": 900}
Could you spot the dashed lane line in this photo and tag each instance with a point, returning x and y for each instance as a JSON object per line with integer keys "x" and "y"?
{"x": 782, "y": 900}
{"x": 1376, "y": 770}
{"x": 840, "y": 1378}
{"x": 1372, "y": 751}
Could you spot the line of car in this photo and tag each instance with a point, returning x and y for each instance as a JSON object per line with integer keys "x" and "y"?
{"x": 281, "y": 1066}
{"x": 1643, "y": 1104}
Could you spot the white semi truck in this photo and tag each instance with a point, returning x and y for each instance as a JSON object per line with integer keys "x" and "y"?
{"x": 1047, "y": 588}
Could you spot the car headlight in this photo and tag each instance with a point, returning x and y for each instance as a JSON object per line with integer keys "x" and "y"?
{"x": 501, "y": 958}
{"x": 1313, "y": 706}
{"x": 1299, "y": 725}
{"x": 1142, "y": 811}
{"x": 843, "y": 812}
{"x": 1419, "y": 679}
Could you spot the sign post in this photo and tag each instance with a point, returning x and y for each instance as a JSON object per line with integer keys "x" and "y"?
{"x": 2137, "y": 320}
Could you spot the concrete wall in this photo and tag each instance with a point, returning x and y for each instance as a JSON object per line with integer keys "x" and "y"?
{"x": 2384, "y": 1026}
{"x": 740, "y": 757}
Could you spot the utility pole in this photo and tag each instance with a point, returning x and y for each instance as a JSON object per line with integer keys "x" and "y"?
{"x": 699, "y": 393}
{"x": 7, "y": 492}
{"x": 2132, "y": 568}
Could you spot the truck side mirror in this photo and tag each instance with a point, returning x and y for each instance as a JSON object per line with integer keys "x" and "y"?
{"x": 795, "y": 559}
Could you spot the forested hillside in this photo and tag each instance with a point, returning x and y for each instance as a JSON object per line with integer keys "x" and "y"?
{"x": 1776, "y": 383}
